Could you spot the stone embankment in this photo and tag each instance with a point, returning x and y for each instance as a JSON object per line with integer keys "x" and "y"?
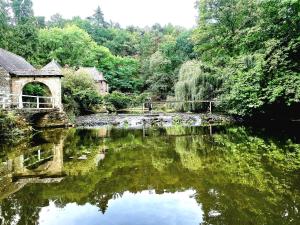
{"x": 45, "y": 119}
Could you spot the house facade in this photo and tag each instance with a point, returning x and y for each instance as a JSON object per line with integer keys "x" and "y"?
{"x": 97, "y": 76}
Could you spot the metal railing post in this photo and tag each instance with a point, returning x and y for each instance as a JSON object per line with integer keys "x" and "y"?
{"x": 37, "y": 102}
{"x": 3, "y": 106}
{"x": 20, "y": 101}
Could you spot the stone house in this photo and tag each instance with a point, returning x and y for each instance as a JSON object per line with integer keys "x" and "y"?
{"x": 98, "y": 77}
{"x": 16, "y": 72}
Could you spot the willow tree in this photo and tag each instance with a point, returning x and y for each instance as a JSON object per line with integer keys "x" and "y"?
{"x": 196, "y": 82}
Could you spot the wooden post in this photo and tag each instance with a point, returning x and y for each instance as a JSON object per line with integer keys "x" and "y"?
{"x": 210, "y": 107}
{"x": 143, "y": 107}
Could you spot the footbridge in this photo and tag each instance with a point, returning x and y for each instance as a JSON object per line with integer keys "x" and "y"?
{"x": 26, "y": 102}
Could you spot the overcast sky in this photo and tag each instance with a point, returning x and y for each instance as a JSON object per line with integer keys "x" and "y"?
{"x": 126, "y": 12}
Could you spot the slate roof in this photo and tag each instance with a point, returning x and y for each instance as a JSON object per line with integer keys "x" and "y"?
{"x": 11, "y": 62}
{"x": 18, "y": 66}
{"x": 93, "y": 72}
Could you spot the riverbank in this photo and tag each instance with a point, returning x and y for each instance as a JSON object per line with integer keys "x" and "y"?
{"x": 148, "y": 120}
{"x": 13, "y": 126}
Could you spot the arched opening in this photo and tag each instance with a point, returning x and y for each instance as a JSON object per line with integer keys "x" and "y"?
{"x": 36, "y": 95}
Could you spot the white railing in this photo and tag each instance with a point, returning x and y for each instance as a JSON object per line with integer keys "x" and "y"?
{"x": 9, "y": 101}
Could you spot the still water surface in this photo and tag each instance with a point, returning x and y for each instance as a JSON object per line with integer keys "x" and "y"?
{"x": 167, "y": 176}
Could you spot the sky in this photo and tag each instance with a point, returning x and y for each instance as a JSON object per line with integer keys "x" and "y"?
{"x": 126, "y": 12}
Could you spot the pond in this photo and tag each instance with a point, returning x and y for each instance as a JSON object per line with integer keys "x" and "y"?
{"x": 219, "y": 175}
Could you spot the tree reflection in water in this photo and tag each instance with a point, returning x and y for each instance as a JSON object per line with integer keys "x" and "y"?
{"x": 237, "y": 176}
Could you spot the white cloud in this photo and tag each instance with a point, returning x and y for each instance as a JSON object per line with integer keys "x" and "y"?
{"x": 126, "y": 12}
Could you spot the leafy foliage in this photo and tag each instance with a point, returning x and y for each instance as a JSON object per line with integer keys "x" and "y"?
{"x": 196, "y": 82}
{"x": 69, "y": 46}
{"x": 80, "y": 95}
{"x": 12, "y": 126}
{"x": 243, "y": 176}
{"x": 255, "y": 45}
{"x": 248, "y": 49}
{"x": 36, "y": 89}
{"x": 117, "y": 100}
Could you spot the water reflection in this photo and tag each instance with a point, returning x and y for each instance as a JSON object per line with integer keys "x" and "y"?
{"x": 175, "y": 175}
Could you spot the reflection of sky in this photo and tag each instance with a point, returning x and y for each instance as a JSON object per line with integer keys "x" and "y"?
{"x": 131, "y": 209}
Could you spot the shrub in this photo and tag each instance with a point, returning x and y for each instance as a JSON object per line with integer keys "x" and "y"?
{"x": 139, "y": 99}
{"x": 80, "y": 95}
{"x": 12, "y": 125}
{"x": 118, "y": 100}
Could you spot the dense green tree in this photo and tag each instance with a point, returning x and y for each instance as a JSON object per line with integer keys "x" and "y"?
{"x": 98, "y": 18}
{"x": 196, "y": 82}
{"x": 22, "y": 10}
{"x": 4, "y": 23}
{"x": 70, "y": 46}
{"x": 123, "y": 42}
{"x": 161, "y": 78}
{"x": 255, "y": 45}
{"x": 4, "y": 18}
{"x": 41, "y": 22}
{"x": 160, "y": 69}
{"x": 248, "y": 49}
{"x": 57, "y": 20}
{"x": 80, "y": 95}
{"x": 19, "y": 29}
{"x": 23, "y": 40}
{"x": 99, "y": 34}
{"x": 121, "y": 73}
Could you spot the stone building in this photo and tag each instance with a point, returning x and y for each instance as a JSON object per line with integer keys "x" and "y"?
{"x": 16, "y": 72}
{"x": 98, "y": 77}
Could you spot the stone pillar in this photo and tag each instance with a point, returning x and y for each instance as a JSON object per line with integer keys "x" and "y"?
{"x": 4, "y": 81}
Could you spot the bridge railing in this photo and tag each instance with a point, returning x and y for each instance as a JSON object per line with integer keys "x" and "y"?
{"x": 9, "y": 101}
{"x": 174, "y": 104}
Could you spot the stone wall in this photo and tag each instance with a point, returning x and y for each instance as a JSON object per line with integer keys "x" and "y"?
{"x": 53, "y": 83}
{"x": 102, "y": 87}
{"x": 52, "y": 118}
{"x": 4, "y": 81}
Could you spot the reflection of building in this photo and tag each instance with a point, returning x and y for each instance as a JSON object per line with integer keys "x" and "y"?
{"x": 40, "y": 164}
{"x": 103, "y": 132}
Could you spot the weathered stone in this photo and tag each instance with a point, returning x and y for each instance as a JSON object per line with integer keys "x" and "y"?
{"x": 53, "y": 83}
{"x": 46, "y": 119}
{"x": 16, "y": 72}
{"x": 4, "y": 81}
{"x": 51, "y": 119}
{"x": 97, "y": 76}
